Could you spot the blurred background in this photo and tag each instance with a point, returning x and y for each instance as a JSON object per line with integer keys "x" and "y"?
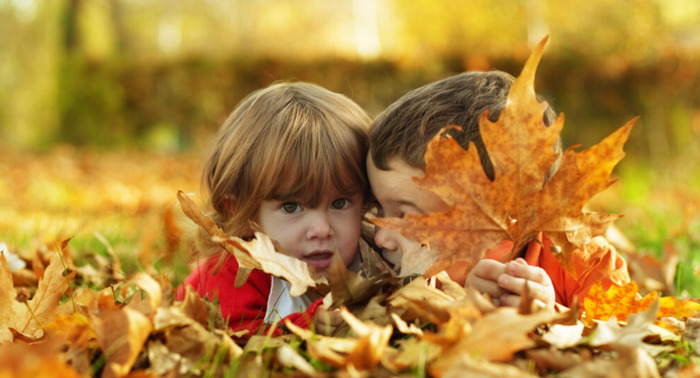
{"x": 108, "y": 105}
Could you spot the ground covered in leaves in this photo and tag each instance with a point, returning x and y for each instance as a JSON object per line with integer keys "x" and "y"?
{"x": 105, "y": 308}
{"x": 60, "y": 323}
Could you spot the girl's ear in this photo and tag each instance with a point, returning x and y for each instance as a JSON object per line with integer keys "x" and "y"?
{"x": 230, "y": 203}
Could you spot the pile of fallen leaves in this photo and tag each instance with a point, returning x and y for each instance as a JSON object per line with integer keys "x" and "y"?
{"x": 58, "y": 319}
{"x": 435, "y": 326}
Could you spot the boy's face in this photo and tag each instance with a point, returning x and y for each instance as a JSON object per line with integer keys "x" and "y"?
{"x": 314, "y": 234}
{"x": 397, "y": 195}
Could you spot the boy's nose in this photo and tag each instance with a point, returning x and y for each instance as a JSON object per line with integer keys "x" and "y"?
{"x": 319, "y": 225}
{"x": 385, "y": 239}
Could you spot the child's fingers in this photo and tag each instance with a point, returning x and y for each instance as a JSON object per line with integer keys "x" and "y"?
{"x": 327, "y": 321}
{"x": 519, "y": 268}
{"x": 488, "y": 269}
{"x": 513, "y": 300}
{"x": 484, "y": 286}
{"x": 516, "y": 285}
{"x": 509, "y": 300}
{"x": 484, "y": 277}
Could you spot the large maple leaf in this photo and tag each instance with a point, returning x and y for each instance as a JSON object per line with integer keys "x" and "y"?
{"x": 517, "y": 204}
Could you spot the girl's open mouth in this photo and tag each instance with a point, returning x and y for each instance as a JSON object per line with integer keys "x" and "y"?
{"x": 320, "y": 260}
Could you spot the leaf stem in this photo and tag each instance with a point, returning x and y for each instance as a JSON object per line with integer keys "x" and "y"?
{"x": 65, "y": 270}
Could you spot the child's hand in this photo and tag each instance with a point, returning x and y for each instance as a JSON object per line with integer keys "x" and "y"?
{"x": 505, "y": 281}
{"x": 483, "y": 277}
{"x": 517, "y": 275}
{"x": 325, "y": 321}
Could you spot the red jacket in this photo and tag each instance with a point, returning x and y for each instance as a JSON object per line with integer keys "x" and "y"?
{"x": 595, "y": 261}
{"x": 243, "y": 307}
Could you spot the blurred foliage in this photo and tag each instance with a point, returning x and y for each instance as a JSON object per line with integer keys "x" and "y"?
{"x": 164, "y": 74}
{"x": 121, "y": 202}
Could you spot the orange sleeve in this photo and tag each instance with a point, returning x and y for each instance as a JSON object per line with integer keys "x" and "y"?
{"x": 596, "y": 261}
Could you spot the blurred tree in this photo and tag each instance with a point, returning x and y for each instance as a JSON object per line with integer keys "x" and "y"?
{"x": 122, "y": 71}
{"x": 29, "y": 43}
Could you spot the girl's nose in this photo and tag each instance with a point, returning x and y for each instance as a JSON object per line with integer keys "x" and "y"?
{"x": 319, "y": 225}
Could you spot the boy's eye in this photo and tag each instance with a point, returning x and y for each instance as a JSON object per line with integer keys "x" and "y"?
{"x": 291, "y": 207}
{"x": 340, "y": 203}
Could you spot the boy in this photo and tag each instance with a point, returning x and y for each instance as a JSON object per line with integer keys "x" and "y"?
{"x": 398, "y": 141}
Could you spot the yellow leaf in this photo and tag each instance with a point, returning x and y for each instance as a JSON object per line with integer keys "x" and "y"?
{"x": 678, "y": 308}
{"x": 617, "y": 301}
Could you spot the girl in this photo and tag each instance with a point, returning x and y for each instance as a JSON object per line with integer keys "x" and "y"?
{"x": 291, "y": 158}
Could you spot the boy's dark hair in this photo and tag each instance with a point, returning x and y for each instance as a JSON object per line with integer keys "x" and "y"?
{"x": 404, "y": 129}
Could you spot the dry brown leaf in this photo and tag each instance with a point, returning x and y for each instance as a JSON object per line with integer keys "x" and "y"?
{"x": 626, "y": 363}
{"x": 564, "y": 336}
{"x": 630, "y": 335}
{"x": 372, "y": 342}
{"x": 552, "y": 359}
{"x": 194, "y": 307}
{"x": 361, "y": 353}
{"x": 148, "y": 303}
{"x": 121, "y": 334}
{"x": 164, "y": 362}
{"x": 498, "y": 335}
{"x": 75, "y": 329}
{"x": 516, "y": 205}
{"x": 652, "y": 273}
{"x": 406, "y": 328}
{"x": 289, "y": 357}
{"x": 7, "y": 298}
{"x": 30, "y": 319}
{"x": 422, "y": 301}
{"x": 348, "y": 288}
{"x": 473, "y": 367}
{"x": 329, "y": 350}
{"x": 39, "y": 360}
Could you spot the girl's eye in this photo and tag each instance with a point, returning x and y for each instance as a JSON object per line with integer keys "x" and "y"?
{"x": 291, "y": 207}
{"x": 340, "y": 204}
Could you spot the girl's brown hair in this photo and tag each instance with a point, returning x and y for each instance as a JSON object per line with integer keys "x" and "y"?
{"x": 287, "y": 141}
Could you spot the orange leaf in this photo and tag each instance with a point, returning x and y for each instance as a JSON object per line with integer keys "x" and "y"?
{"x": 517, "y": 204}
{"x": 617, "y": 301}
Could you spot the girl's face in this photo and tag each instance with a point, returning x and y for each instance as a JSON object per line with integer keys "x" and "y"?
{"x": 314, "y": 234}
